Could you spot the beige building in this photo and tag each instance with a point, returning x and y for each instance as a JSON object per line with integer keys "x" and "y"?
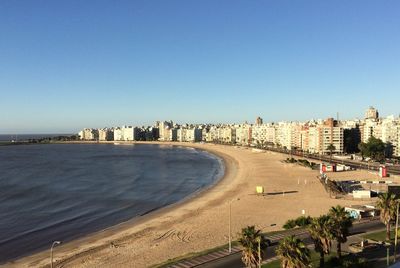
{"x": 288, "y": 135}
{"x": 222, "y": 134}
{"x": 89, "y": 134}
{"x": 165, "y": 132}
{"x": 106, "y": 134}
{"x": 263, "y": 134}
{"x": 372, "y": 113}
{"x": 332, "y": 134}
{"x": 259, "y": 121}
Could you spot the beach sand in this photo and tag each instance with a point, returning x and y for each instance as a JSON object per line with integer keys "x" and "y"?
{"x": 202, "y": 222}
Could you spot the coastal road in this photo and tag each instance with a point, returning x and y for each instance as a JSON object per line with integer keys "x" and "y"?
{"x": 234, "y": 260}
{"x": 392, "y": 169}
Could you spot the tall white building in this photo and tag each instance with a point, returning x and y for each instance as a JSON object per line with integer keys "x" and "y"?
{"x": 243, "y": 134}
{"x": 165, "y": 130}
{"x": 89, "y": 134}
{"x": 264, "y": 134}
{"x": 118, "y": 135}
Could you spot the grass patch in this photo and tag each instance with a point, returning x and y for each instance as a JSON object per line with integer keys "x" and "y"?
{"x": 381, "y": 236}
{"x": 330, "y": 261}
{"x": 314, "y": 261}
{"x": 267, "y": 235}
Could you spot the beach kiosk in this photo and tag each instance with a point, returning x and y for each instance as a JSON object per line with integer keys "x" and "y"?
{"x": 327, "y": 168}
{"x": 260, "y": 190}
{"x": 383, "y": 172}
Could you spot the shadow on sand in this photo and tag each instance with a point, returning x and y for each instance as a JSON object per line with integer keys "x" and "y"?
{"x": 282, "y": 193}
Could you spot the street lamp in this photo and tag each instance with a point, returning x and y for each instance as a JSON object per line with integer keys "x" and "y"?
{"x": 230, "y": 224}
{"x": 259, "y": 251}
{"x": 51, "y": 252}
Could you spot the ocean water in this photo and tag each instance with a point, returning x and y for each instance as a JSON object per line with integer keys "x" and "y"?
{"x": 64, "y": 191}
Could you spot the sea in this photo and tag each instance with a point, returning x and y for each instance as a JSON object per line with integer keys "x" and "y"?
{"x": 61, "y": 192}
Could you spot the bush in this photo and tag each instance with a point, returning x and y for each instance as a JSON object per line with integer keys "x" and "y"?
{"x": 303, "y": 221}
{"x": 290, "y": 224}
{"x": 355, "y": 263}
{"x": 299, "y": 222}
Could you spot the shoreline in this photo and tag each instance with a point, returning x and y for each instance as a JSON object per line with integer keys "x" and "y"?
{"x": 35, "y": 258}
{"x": 201, "y": 222}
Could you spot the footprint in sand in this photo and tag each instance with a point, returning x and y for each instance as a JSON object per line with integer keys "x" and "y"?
{"x": 175, "y": 235}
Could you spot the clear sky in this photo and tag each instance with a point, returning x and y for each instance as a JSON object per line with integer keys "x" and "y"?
{"x": 65, "y": 65}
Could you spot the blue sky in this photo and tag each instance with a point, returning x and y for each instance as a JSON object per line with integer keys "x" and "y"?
{"x": 65, "y": 65}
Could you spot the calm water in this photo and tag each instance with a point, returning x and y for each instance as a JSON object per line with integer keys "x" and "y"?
{"x": 61, "y": 191}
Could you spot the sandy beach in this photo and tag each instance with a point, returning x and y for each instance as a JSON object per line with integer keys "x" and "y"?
{"x": 202, "y": 222}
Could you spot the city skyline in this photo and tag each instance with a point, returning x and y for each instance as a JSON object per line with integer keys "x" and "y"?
{"x": 70, "y": 65}
{"x": 250, "y": 122}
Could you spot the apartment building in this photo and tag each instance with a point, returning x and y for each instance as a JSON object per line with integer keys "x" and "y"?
{"x": 288, "y": 135}
{"x": 106, "y": 134}
{"x": 331, "y": 135}
{"x": 263, "y": 134}
{"x": 165, "y": 133}
{"x": 368, "y": 128}
{"x": 89, "y": 134}
{"x": 372, "y": 113}
{"x": 169, "y": 134}
{"x": 128, "y": 133}
{"x": 118, "y": 135}
{"x": 243, "y": 134}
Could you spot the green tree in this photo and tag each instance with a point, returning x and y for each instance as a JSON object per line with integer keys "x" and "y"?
{"x": 331, "y": 148}
{"x": 387, "y": 203}
{"x": 362, "y": 147}
{"x": 352, "y": 138}
{"x": 389, "y": 150}
{"x": 249, "y": 239}
{"x": 293, "y": 253}
{"x": 341, "y": 224}
{"x": 321, "y": 233}
{"x": 374, "y": 148}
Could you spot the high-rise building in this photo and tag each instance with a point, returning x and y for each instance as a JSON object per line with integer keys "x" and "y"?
{"x": 259, "y": 121}
{"x": 332, "y": 135}
{"x": 164, "y": 130}
{"x": 372, "y": 113}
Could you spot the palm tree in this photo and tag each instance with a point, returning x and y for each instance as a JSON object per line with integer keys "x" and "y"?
{"x": 331, "y": 148}
{"x": 249, "y": 239}
{"x": 321, "y": 233}
{"x": 387, "y": 204}
{"x": 341, "y": 223}
{"x": 293, "y": 252}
